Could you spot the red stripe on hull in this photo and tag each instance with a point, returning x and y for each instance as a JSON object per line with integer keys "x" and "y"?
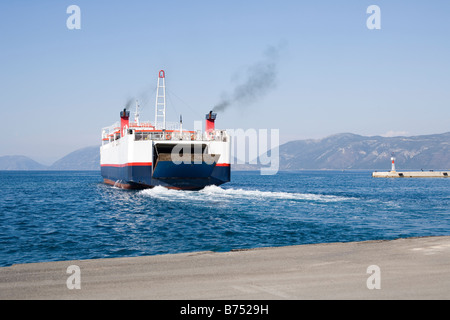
{"x": 222, "y": 165}
{"x": 149, "y": 164}
{"x": 143, "y": 164}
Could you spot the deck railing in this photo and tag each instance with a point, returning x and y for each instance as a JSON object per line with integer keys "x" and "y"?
{"x": 145, "y": 131}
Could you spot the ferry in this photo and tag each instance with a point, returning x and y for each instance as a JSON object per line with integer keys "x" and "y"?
{"x": 140, "y": 154}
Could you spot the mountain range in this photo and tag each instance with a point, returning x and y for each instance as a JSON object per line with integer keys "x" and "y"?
{"x": 19, "y": 163}
{"x": 351, "y": 151}
{"x": 82, "y": 159}
{"x": 342, "y": 151}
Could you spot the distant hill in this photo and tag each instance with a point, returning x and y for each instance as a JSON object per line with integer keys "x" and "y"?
{"x": 351, "y": 151}
{"x": 19, "y": 163}
{"x": 83, "y": 159}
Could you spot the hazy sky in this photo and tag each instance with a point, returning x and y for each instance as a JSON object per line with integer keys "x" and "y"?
{"x": 330, "y": 73}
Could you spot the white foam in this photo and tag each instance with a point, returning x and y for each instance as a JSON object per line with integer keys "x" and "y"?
{"x": 162, "y": 192}
{"x": 218, "y": 193}
{"x": 257, "y": 194}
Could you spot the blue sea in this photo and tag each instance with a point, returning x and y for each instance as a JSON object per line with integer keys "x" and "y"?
{"x": 51, "y": 215}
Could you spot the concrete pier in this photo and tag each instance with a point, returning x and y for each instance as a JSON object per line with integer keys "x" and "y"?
{"x": 411, "y": 174}
{"x": 413, "y": 268}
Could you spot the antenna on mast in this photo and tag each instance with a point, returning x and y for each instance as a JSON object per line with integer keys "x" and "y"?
{"x": 136, "y": 114}
{"x": 160, "y": 104}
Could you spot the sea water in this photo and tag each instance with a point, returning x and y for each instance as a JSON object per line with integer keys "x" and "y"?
{"x": 68, "y": 215}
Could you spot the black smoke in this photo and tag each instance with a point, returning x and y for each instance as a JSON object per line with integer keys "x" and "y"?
{"x": 259, "y": 79}
{"x": 129, "y": 103}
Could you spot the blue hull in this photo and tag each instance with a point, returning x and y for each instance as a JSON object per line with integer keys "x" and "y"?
{"x": 166, "y": 174}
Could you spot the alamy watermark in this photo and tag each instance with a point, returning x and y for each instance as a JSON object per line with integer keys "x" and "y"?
{"x": 74, "y": 20}
{"x": 74, "y": 280}
{"x": 374, "y": 20}
{"x": 374, "y": 280}
{"x": 262, "y": 149}
{"x": 259, "y": 147}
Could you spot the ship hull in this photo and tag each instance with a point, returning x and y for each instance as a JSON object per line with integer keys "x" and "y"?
{"x": 181, "y": 177}
{"x": 135, "y": 164}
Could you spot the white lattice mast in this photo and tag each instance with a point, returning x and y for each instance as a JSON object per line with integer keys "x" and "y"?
{"x": 160, "y": 104}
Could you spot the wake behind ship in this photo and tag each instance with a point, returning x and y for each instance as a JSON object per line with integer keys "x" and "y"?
{"x": 137, "y": 155}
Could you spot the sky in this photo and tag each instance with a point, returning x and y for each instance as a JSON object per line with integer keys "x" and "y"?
{"x": 330, "y": 73}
